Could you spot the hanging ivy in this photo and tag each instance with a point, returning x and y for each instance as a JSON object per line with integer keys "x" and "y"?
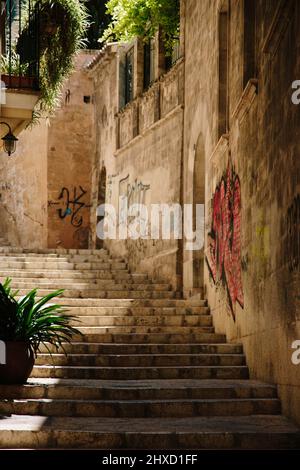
{"x": 62, "y": 27}
{"x": 131, "y": 18}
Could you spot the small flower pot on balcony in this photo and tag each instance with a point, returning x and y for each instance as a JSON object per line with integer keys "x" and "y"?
{"x": 14, "y": 81}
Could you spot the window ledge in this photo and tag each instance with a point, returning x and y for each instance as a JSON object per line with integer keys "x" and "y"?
{"x": 280, "y": 22}
{"x": 245, "y": 102}
{"x": 221, "y": 147}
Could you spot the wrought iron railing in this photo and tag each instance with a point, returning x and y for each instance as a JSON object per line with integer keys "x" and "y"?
{"x": 20, "y": 43}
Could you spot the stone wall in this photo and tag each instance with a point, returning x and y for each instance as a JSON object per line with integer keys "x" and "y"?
{"x": 70, "y": 157}
{"x": 148, "y": 171}
{"x": 23, "y": 190}
{"x": 252, "y": 182}
{"x": 140, "y": 148}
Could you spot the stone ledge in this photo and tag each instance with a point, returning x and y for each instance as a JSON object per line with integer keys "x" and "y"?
{"x": 221, "y": 147}
{"x": 278, "y": 27}
{"x": 248, "y": 96}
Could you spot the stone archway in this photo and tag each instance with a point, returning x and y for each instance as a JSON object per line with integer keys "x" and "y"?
{"x": 101, "y": 199}
{"x": 198, "y": 198}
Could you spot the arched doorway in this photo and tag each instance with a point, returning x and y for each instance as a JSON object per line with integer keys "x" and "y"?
{"x": 101, "y": 200}
{"x": 198, "y": 198}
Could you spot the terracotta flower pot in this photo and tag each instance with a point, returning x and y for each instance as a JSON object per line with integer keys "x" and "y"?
{"x": 19, "y": 363}
{"x": 13, "y": 81}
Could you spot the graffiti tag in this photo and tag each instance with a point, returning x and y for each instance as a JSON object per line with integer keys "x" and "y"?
{"x": 73, "y": 205}
{"x": 224, "y": 239}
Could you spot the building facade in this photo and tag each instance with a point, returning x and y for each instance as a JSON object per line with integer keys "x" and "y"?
{"x": 214, "y": 125}
{"x": 45, "y": 189}
{"x": 219, "y": 129}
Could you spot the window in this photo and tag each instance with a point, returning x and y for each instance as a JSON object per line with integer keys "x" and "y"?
{"x": 249, "y": 41}
{"x": 129, "y": 75}
{"x": 223, "y": 74}
{"x": 172, "y": 59}
{"x": 148, "y": 63}
{"x": 126, "y": 76}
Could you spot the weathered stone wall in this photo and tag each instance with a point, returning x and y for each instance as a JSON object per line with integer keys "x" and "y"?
{"x": 70, "y": 157}
{"x": 201, "y": 104}
{"x": 141, "y": 149}
{"x": 252, "y": 184}
{"x": 23, "y": 190}
{"x": 148, "y": 172}
{"x": 104, "y": 73}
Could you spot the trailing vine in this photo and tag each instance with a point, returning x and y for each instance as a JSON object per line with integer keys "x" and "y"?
{"x": 62, "y": 27}
{"x": 131, "y": 18}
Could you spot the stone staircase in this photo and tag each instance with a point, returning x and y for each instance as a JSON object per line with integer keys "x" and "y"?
{"x": 149, "y": 371}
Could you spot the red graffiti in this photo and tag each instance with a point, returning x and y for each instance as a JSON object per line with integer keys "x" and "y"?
{"x": 224, "y": 239}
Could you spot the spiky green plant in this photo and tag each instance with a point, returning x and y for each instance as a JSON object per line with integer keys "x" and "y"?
{"x": 33, "y": 320}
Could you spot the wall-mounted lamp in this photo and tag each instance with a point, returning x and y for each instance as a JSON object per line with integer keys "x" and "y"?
{"x": 9, "y": 141}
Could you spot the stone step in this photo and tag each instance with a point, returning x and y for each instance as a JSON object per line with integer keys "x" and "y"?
{"x": 151, "y": 303}
{"x": 76, "y": 258}
{"x": 140, "y": 311}
{"x": 144, "y": 348}
{"x": 142, "y": 408}
{"x": 141, "y": 330}
{"x": 59, "y": 259}
{"x": 79, "y": 282}
{"x": 71, "y": 275}
{"x": 141, "y": 373}
{"x": 137, "y": 389}
{"x": 112, "y": 293}
{"x": 66, "y": 265}
{"x": 55, "y": 256}
{"x": 159, "y": 337}
{"x": 36, "y": 258}
{"x": 108, "y": 284}
{"x": 147, "y": 360}
{"x": 148, "y": 320}
{"x": 234, "y": 432}
{"x": 53, "y": 251}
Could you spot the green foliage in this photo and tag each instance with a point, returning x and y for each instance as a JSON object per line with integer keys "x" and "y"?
{"x": 33, "y": 320}
{"x": 58, "y": 48}
{"x": 10, "y": 64}
{"x": 63, "y": 25}
{"x": 143, "y": 18}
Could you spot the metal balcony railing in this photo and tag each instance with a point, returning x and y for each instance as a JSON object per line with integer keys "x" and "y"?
{"x": 19, "y": 29}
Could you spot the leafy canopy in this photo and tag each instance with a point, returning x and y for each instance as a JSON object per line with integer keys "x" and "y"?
{"x": 131, "y": 18}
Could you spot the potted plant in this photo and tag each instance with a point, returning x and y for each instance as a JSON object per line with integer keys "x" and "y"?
{"x": 25, "y": 323}
{"x": 14, "y": 73}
